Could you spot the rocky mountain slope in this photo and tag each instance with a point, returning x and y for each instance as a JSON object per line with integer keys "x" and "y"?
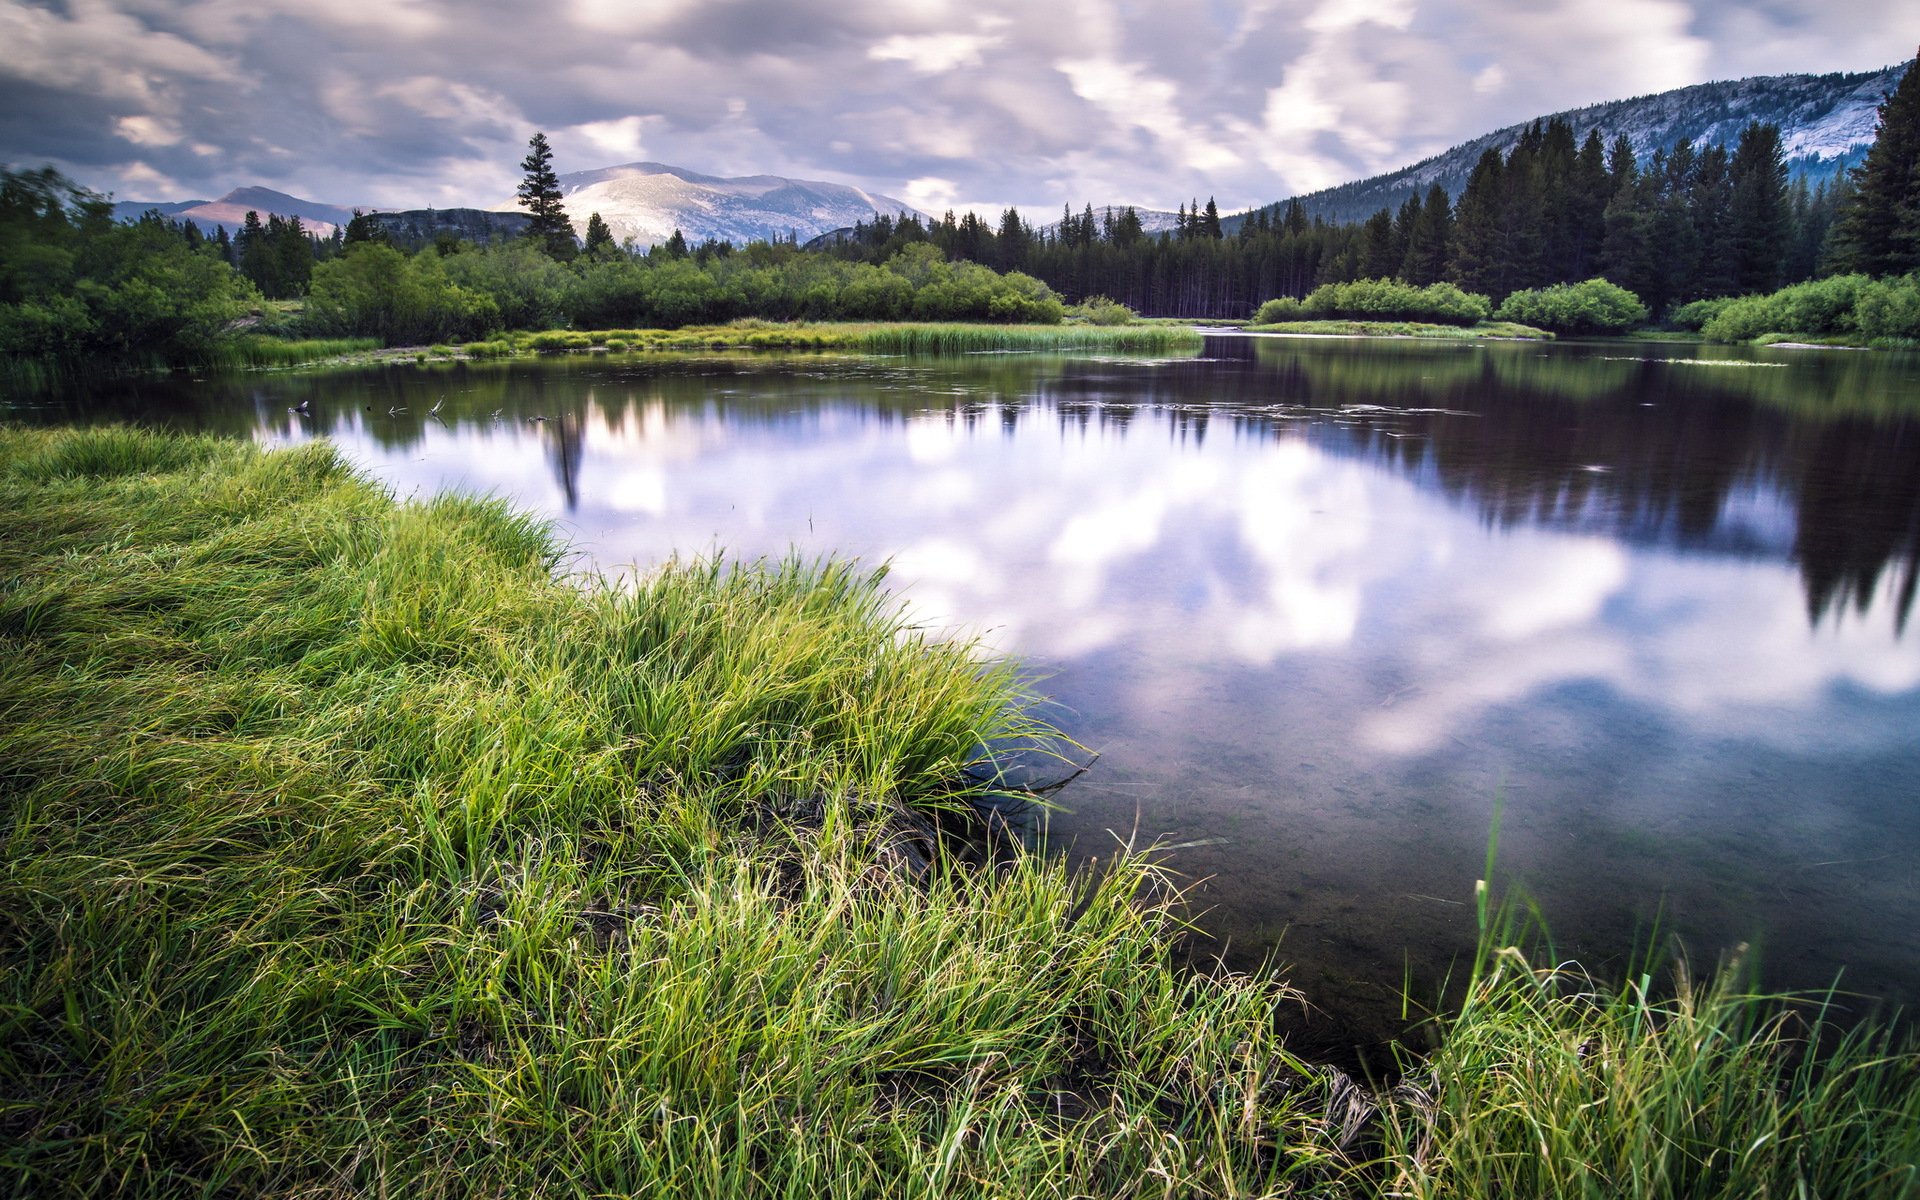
{"x": 1826, "y": 123}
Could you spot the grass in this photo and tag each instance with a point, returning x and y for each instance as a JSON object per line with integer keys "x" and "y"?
{"x": 255, "y": 350}
{"x": 1408, "y": 329}
{"x": 350, "y": 851}
{"x": 1547, "y": 1082}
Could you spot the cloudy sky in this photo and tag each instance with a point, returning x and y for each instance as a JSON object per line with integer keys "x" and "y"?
{"x": 982, "y": 103}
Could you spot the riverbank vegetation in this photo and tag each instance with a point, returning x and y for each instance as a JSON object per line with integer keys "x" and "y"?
{"x": 351, "y": 849}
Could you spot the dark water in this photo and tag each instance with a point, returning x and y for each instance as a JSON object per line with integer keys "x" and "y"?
{"x": 1322, "y": 606}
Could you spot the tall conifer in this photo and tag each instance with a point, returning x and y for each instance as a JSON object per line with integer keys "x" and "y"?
{"x": 540, "y": 195}
{"x": 1879, "y": 231}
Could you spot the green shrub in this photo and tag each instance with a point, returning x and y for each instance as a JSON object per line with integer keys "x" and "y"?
{"x": 1390, "y": 300}
{"x": 1818, "y": 308}
{"x": 1693, "y": 315}
{"x": 1278, "y": 309}
{"x": 1592, "y": 306}
{"x": 1103, "y": 310}
{"x": 375, "y": 291}
{"x": 1889, "y": 309}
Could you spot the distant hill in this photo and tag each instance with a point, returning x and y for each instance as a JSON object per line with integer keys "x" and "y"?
{"x": 1826, "y": 123}
{"x": 231, "y": 210}
{"x": 417, "y": 228}
{"x": 647, "y": 201}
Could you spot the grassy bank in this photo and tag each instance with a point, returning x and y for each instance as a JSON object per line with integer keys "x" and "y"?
{"x": 350, "y": 853}
{"x": 1404, "y": 329}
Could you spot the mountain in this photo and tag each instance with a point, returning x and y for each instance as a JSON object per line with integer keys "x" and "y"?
{"x": 231, "y": 210}
{"x": 1826, "y": 123}
{"x": 647, "y": 201}
{"x": 416, "y": 228}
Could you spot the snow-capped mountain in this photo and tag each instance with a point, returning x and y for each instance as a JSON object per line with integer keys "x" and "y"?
{"x": 647, "y": 201}
{"x": 1826, "y": 123}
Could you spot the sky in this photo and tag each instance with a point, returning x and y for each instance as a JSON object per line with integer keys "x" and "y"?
{"x": 944, "y": 104}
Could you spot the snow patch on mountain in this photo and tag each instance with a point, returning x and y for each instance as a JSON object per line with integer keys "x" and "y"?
{"x": 647, "y": 201}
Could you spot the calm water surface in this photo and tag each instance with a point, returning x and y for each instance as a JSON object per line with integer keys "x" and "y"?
{"x": 1322, "y": 606}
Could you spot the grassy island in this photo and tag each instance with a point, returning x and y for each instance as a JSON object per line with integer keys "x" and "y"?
{"x": 353, "y": 850}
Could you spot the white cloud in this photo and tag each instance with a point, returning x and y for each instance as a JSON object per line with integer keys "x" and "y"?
{"x": 148, "y": 130}
{"x": 619, "y": 139}
{"x": 933, "y": 53}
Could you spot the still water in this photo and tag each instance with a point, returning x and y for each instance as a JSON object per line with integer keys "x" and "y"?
{"x": 1322, "y": 607}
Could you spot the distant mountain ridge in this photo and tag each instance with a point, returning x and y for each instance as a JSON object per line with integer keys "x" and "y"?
{"x": 647, "y": 201}
{"x": 231, "y": 210}
{"x": 1826, "y": 123}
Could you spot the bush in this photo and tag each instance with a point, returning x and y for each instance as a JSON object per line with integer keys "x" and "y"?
{"x": 1593, "y": 306}
{"x": 1889, "y": 308}
{"x": 1392, "y": 300}
{"x": 373, "y": 290}
{"x": 1278, "y": 309}
{"x": 1103, "y": 310}
{"x": 1693, "y": 315}
{"x": 1818, "y": 308}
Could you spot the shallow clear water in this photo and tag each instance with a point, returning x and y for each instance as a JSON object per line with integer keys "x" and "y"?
{"x": 1321, "y": 606}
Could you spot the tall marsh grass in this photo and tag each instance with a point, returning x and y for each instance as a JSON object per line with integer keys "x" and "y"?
{"x": 1548, "y": 1082}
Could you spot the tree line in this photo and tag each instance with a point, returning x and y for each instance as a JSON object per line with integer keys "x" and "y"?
{"x": 1685, "y": 224}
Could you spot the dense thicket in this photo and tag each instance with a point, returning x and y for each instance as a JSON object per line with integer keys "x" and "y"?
{"x": 75, "y": 282}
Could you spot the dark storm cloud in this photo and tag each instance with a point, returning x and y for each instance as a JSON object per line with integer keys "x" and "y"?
{"x": 409, "y": 102}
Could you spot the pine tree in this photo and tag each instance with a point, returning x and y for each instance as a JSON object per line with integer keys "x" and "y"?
{"x": 1426, "y": 260}
{"x": 1475, "y": 252}
{"x": 1879, "y": 231}
{"x": 255, "y": 252}
{"x": 540, "y": 195}
{"x": 599, "y": 238}
{"x": 1210, "y": 222}
{"x": 293, "y": 257}
{"x": 1758, "y": 213}
{"x": 1378, "y": 255}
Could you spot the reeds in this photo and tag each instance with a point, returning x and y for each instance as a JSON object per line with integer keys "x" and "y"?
{"x": 1550, "y": 1083}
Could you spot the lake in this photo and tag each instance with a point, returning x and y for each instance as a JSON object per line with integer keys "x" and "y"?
{"x": 1322, "y": 607}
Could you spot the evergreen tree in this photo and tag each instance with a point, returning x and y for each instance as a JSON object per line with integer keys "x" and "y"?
{"x": 1758, "y": 211}
{"x": 1014, "y": 241}
{"x": 1426, "y": 260}
{"x": 1587, "y": 206}
{"x": 1379, "y": 257}
{"x": 599, "y": 239}
{"x": 363, "y": 228}
{"x": 1210, "y": 222}
{"x": 255, "y": 252}
{"x": 1626, "y": 253}
{"x": 1475, "y": 252}
{"x": 539, "y": 194}
{"x": 1879, "y": 231}
{"x": 1709, "y": 201}
{"x": 293, "y": 257}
